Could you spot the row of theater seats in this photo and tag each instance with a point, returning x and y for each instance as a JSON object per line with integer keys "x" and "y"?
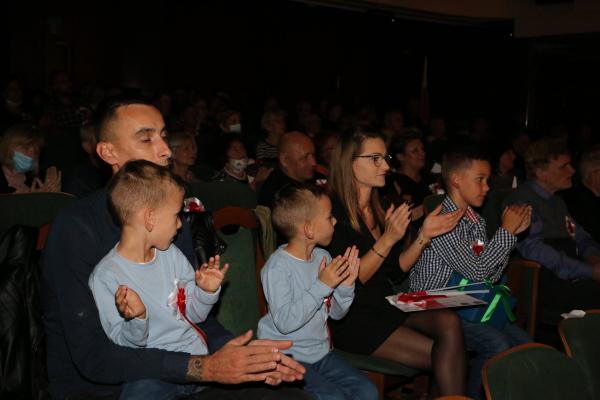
{"x": 242, "y": 302}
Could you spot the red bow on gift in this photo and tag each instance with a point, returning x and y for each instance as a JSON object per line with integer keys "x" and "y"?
{"x": 418, "y": 296}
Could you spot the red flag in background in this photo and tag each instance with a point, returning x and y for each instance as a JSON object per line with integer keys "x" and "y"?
{"x": 424, "y": 101}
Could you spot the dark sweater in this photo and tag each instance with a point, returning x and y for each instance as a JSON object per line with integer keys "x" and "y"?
{"x": 81, "y": 358}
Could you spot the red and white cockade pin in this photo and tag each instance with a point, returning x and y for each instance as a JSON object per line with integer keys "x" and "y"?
{"x": 192, "y": 204}
{"x": 477, "y": 246}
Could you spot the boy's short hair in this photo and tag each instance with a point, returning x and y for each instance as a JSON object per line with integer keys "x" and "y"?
{"x": 139, "y": 184}
{"x": 542, "y": 151}
{"x": 460, "y": 158}
{"x": 294, "y": 204}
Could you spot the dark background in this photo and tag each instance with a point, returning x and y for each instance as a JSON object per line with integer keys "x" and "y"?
{"x": 293, "y": 50}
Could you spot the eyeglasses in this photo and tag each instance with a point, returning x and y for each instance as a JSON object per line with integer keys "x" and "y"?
{"x": 377, "y": 158}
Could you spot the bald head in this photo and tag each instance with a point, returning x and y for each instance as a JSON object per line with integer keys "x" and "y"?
{"x": 296, "y": 153}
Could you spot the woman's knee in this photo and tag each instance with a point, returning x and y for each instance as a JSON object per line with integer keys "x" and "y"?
{"x": 448, "y": 323}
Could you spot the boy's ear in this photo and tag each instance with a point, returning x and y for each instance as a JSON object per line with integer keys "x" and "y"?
{"x": 455, "y": 179}
{"x": 149, "y": 219}
{"x": 309, "y": 232}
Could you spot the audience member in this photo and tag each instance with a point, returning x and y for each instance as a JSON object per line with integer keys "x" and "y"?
{"x": 61, "y": 109}
{"x": 296, "y": 156}
{"x": 583, "y": 201}
{"x": 145, "y": 271}
{"x": 393, "y": 125}
{"x": 466, "y": 172}
{"x": 569, "y": 256}
{"x": 82, "y": 361}
{"x": 429, "y": 340}
{"x": 273, "y": 123}
{"x": 184, "y": 152}
{"x": 304, "y": 286}
{"x": 235, "y": 163}
{"x": 11, "y": 109}
{"x": 92, "y": 174}
{"x": 325, "y": 144}
{"x": 19, "y": 155}
{"x": 408, "y": 180}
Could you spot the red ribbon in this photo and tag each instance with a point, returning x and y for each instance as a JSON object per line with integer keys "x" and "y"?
{"x": 181, "y": 308}
{"x": 194, "y": 207}
{"x": 328, "y": 307}
{"x": 418, "y": 296}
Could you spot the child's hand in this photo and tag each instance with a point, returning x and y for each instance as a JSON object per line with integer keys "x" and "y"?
{"x": 209, "y": 276}
{"x": 436, "y": 223}
{"x": 334, "y": 273}
{"x": 129, "y": 303}
{"x": 526, "y": 221}
{"x": 353, "y": 265}
{"x": 515, "y": 217}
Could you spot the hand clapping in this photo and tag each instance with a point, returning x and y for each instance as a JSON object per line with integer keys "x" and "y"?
{"x": 516, "y": 218}
{"x": 129, "y": 303}
{"x": 351, "y": 255}
{"x": 396, "y": 221}
{"x": 210, "y": 276}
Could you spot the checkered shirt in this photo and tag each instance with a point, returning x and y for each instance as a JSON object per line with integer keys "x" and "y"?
{"x": 453, "y": 252}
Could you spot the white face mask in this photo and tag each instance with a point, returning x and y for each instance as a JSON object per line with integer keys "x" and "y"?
{"x": 235, "y": 128}
{"x": 238, "y": 166}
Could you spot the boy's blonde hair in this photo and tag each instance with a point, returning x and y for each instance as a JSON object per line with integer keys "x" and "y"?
{"x": 293, "y": 205}
{"x": 139, "y": 184}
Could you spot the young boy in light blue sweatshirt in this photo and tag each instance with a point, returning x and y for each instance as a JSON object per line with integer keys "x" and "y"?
{"x": 304, "y": 286}
{"x": 147, "y": 293}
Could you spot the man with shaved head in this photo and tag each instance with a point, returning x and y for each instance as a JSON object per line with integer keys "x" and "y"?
{"x": 296, "y": 158}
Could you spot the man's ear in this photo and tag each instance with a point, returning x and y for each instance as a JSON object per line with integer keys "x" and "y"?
{"x": 282, "y": 159}
{"x": 400, "y": 157}
{"x": 107, "y": 152}
{"x": 149, "y": 219}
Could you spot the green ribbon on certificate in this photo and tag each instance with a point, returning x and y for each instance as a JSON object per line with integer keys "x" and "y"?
{"x": 502, "y": 293}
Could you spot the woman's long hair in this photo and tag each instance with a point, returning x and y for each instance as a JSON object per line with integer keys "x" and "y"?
{"x": 342, "y": 183}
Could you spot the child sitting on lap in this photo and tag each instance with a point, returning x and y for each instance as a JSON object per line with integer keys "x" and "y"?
{"x": 146, "y": 291}
{"x": 304, "y": 286}
{"x": 466, "y": 173}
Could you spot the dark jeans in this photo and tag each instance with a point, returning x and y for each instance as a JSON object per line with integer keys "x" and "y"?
{"x": 332, "y": 378}
{"x": 487, "y": 341}
{"x": 159, "y": 390}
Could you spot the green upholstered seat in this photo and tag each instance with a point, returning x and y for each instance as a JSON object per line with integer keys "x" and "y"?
{"x": 215, "y": 195}
{"x": 533, "y": 371}
{"x": 238, "y": 309}
{"x": 581, "y": 339}
{"x": 31, "y": 209}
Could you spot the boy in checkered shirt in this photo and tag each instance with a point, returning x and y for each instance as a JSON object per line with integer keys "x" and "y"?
{"x": 467, "y": 251}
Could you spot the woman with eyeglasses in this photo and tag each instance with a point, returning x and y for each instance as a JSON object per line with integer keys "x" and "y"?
{"x": 429, "y": 340}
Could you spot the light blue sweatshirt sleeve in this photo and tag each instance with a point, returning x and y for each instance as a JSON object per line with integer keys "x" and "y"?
{"x": 198, "y": 302}
{"x": 131, "y": 333}
{"x": 291, "y": 307}
{"x": 342, "y": 300}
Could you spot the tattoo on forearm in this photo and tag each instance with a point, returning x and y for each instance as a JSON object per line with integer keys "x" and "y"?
{"x": 195, "y": 371}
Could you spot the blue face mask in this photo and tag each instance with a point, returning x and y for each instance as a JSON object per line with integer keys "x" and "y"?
{"x": 22, "y": 163}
